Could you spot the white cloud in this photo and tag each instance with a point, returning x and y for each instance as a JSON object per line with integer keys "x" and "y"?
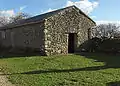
{"x": 106, "y": 22}
{"x": 49, "y": 10}
{"x": 93, "y": 17}
{"x": 22, "y": 7}
{"x": 7, "y": 12}
{"x": 85, "y": 5}
{"x": 11, "y": 12}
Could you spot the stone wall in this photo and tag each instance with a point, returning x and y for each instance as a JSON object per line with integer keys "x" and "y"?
{"x": 5, "y": 38}
{"x": 51, "y": 35}
{"x": 58, "y": 26}
{"x": 29, "y": 36}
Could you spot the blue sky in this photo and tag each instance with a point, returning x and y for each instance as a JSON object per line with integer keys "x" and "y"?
{"x": 108, "y": 10}
{"x": 98, "y": 10}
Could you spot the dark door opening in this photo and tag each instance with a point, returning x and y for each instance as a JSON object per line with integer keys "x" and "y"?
{"x": 71, "y": 40}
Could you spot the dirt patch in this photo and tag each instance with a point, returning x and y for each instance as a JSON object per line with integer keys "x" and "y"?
{"x": 4, "y": 81}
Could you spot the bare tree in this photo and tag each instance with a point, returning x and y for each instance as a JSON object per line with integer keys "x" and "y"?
{"x": 4, "y": 20}
{"x": 19, "y": 16}
{"x": 107, "y": 30}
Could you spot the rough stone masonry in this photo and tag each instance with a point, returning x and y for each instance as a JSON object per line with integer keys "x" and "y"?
{"x": 49, "y": 33}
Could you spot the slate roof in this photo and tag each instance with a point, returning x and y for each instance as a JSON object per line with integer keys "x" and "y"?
{"x": 40, "y": 18}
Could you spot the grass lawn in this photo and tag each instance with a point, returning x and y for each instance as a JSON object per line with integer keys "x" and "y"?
{"x": 63, "y": 70}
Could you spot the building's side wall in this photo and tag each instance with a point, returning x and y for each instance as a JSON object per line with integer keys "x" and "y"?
{"x": 5, "y": 38}
{"x": 29, "y": 36}
{"x": 58, "y": 26}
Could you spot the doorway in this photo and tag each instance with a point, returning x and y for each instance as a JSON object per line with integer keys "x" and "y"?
{"x": 71, "y": 42}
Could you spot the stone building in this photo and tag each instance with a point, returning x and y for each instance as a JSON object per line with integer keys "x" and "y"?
{"x": 58, "y": 32}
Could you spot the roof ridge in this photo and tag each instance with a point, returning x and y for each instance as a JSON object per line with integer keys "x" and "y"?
{"x": 41, "y": 17}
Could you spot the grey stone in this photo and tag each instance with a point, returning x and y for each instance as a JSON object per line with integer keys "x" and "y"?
{"x": 49, "y": 32}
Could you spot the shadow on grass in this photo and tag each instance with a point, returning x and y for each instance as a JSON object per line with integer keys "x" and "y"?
{"x": 60, "y": 70}
{"x": 113, "y": 84}
{"x": 18, "y": 55}
{"x": 110, "y": 60}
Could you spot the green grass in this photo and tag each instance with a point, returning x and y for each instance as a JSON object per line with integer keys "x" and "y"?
{"x": 63, "y": 70}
